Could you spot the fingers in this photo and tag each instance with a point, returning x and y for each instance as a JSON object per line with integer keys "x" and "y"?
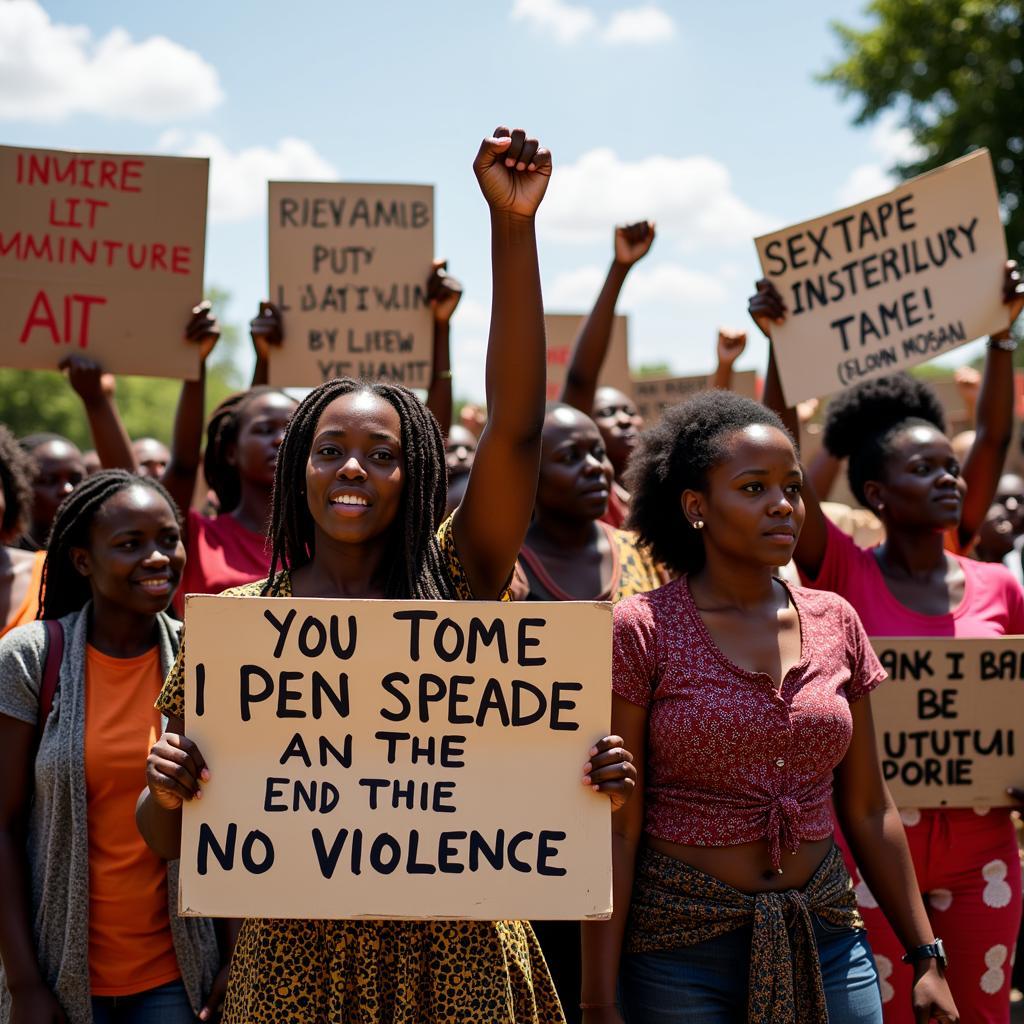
{"x": 1013, "y": 285}
{"x": 176, "y": 767}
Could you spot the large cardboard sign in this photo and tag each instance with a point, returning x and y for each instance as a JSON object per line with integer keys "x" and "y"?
{"x": 349, "y": 266}
{"x": 878, "y": 287}
{"x": 653, "y": 395}
{"x": 396, "y": 759}
{"x": 561, "y": 330}
{"x": 101, "y": 255}
{"x": 949, "y": 720}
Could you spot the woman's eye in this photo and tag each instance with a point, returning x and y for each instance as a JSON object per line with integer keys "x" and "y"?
{"x": 327, "y": 450}
{"x": 128, "y": 545}
{"x": 794, "y": 488}
{"x": 753, "y": 488}
{"x": 382, "y": 456}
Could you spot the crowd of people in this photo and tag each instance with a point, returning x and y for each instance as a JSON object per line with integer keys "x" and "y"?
{"x": 761, "y": 870}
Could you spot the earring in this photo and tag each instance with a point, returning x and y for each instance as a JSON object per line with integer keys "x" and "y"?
{"x": 698, "y": 525}
{"x": 881, "y": 507}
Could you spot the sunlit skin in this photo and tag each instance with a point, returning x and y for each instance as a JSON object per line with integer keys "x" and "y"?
{"x": 60, "y": 469}
{"x": 151, "y": 457}
{"x": 15, "y": 570}
{"x": 620, "y": 424}
{"x": 459, "y": 450}
{"x": 1010, "y": 494}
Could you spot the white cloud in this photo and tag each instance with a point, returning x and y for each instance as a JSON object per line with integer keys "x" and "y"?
{"x": 569, "y": 22}
{"x": 639, "y": 25}
{"x": 690, "y": 196}
{"x": 238, "y": 180}
{"x": 50, "y": 71}
{"x": 669, "y": 284}
{"x": 891, "y": 145}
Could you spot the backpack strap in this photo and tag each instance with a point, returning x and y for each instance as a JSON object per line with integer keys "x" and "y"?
{"x": 51, "y": 671}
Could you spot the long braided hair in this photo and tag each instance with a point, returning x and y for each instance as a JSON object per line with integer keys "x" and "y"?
{"x": 221, "y": 433}
{"x": 416, "y": 567}
{"x": 63, "y": 588}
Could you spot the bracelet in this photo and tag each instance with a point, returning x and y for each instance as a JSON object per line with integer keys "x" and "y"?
{"x": 447, "y": 374}
{"x": 1007, "y": 344}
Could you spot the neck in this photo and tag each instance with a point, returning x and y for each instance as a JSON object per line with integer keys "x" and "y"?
{"x": 729, "y": 583}
{"x": 560, "y": 533}
{"x": 914, "y": 552}
{"x": 253, "y": 509}
{"x": 119, "y": 632}
{"x": 345, "y": 570}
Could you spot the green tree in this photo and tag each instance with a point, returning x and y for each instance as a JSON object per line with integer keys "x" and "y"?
{"x": 953, "y": 70}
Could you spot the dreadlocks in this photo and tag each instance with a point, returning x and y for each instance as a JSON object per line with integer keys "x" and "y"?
{"x": 63, "y": 588}
{"x": 417, "y": 568}
{"x": 221, "y": 433}
{"x": 17, "y": 469}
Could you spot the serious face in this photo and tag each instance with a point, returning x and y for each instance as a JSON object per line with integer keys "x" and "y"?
{"x": 620, "y": 424}
{"x": 575, "y": 472}
{"x": 60, "y": 469}
{"x": 260, "y": 433}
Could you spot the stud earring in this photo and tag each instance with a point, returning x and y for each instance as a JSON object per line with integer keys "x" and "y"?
{"x": 699, "y": 524}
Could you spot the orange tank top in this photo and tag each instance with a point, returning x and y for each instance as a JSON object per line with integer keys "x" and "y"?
{"x": 130, "y": 944}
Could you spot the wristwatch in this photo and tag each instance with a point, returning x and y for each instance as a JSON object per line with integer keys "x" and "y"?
{"x": 933, "y": 951}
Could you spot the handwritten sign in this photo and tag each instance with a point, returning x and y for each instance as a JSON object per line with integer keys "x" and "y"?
{"x": 349, "y": 266}
{"x": 949, "y": 720}
{"x": 562, "y": 329}
{"x": 878, "y": 287}
{"x": 101, "y": 255}
{"x": 654, "y": 395}
{"x": 396, "y": 760}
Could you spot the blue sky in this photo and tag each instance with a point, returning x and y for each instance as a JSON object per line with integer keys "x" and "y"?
{"x": 703, "y": 117}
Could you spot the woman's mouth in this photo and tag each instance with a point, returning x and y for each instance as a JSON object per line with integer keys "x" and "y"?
{"x": 350, "y": 505}
{"x": 157, "y": 585}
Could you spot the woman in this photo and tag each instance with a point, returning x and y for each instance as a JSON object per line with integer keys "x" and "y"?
{"x": 358, "y": 496}
{"x": 571, "y": 555}
{"x": 20, "y": 571}
{"x": 746, "y": 696}
{"x": 89, "y": 931}
{"x": 901, "y": 466}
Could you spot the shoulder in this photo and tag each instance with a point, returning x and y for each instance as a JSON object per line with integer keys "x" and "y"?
{"x": 280, "y": 586}
{"x": 650, "y": 606}
{"x": 24, "y": 643}
{"x": 823, "y": 605}
{"x": 993, "y": 577}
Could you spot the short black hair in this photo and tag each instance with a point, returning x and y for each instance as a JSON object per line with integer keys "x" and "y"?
{"x": 17, "y": 470}
{"x": 861, "y": 423}
{"x": 676, "y": 455}
{"x": 63, "y": 588}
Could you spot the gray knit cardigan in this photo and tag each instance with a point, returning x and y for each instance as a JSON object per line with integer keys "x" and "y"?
{"x": 58, "y": 836}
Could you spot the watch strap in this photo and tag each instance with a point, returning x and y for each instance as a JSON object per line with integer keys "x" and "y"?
{"x": 929, "y": 951}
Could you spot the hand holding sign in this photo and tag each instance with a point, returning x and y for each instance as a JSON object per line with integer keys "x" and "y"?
{"x": 266, "y": 330}
{"x": 766, "y": 307}
{"x": 174, "y": 769}
{"x": 633, "y": 242}
{"x": 1013, "y": 295}
{"x": 610, "y": 770}
{"x": 203, "y": 329}
{"x": 88, "y": 380}
{"x": 513, "y": 172}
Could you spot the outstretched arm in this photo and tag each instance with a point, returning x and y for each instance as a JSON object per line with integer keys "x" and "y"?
{"x": 444, "y": 293}
{"x": 984, "y": 463}
{"x": 96, "y": 390}
{"x": 180, "y": 475}
{"x": 632, "y": 243}
{"x": 267, "y": 332}
{"x": 490, "y": 524}
{"x": 730, "y": 347}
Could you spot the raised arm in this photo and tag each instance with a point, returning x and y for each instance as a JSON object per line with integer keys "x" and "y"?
{"x": 730, "y": 347}
{"x": 489, "y": 526}
{"x": 766, "y": 307}
{"x": 632, "y": 243}
{"x": 444, "y": 293}
{"x": 180, "y": 475}
{"x": 96, "y": 390}
{"x": 267, "y": 332}
{"x": 994, "y": 428}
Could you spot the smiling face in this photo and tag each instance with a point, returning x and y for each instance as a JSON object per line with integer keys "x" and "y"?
{"x": 620, "y": 424}
{"x": 135, "y": 555}
{"x": 575, "y": 472}
{"x": 355, "y": 471}
{"x": 923, "y": 486}
{"x": 260, "y": 433}
{"x": 751, "y": 508}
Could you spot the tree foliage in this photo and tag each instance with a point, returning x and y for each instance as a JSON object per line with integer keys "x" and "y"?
{"x": 953, "y": 70}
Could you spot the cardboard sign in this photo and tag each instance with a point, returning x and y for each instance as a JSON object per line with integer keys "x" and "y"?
{"x": 876, "y": 288}
{"x": 949, "y": 720}
{"x": 101, "y": 255}
{"x": 654, "y": 395}
{"x": 561, "y": 330}
{"x": 349, "y": 266}
{"x": 389, "y": 759}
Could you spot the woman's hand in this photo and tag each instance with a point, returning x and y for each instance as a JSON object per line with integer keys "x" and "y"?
{"x": 766, "y": 307}
{"x": 1013, "y": 295}
{"x": 931, "y": 996}
{"x": 203, "y": 329}
{"x": 174, "y": 770}
{"x": 443, "y": 292}
{"x": 610, "y": 770}
{"x": 215, "y": 1000}
{"x": 88, "y": 380}
{"x": 266, "y": 330}
{"x": 36, "y": 1005}
{"x": 633, "y": 242}
{"x": 730, "y": 345}
{"x": 513, "y": 172}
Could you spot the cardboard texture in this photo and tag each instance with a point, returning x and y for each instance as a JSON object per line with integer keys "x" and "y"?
{"x": 561, "y": 330}
{"x": 948, "y": 720}
{"x": 653, "y": 395}
{"x": 349, "y": 266}
{"x": 101, "y": 255}
{"x": 422, "y": 841}
{"x": 875, "y": 288}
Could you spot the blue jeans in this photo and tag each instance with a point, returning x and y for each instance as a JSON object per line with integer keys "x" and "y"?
{"x": 167, "y": 1004}
{"x": 707, "y": 984}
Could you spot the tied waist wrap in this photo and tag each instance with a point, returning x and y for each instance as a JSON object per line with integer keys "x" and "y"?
{"x": 675, "y": 905}
{"x": 783, "y": 817}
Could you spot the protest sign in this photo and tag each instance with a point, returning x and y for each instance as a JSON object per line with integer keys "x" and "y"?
{"x": 881, "y": 286}
{"x": 561, "y": 330}
{"x": 349, "y": 266}
{"x": 431, "y": 751}
{"x": 653, "y": 395}
{"x": 948, "y": 720}
{"x": 101, "y": 255}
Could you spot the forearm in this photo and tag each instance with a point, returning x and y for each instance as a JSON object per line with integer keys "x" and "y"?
{"x": 591, "y": 347}
{"x": 260, "y": 372}
{"x": 186, "y": 442}
{"x": 17, "y": 948}
{"x": 109, "y": 436}
{"x": 721, "y": 379}
{"x": 439, "y": 395}
{"x": 160, "y": 828}
{"x": 776, "y": 401}
{"x": 822, "y": 472}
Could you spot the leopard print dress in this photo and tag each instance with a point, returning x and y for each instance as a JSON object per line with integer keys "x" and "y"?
{"x": 381, "y": 972}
